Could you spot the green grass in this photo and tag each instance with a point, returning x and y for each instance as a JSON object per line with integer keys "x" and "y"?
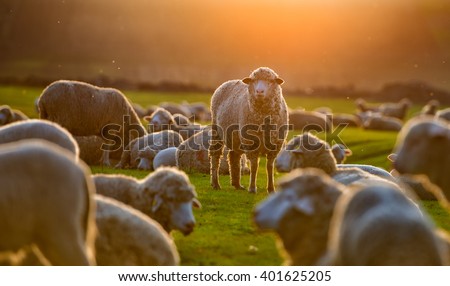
{"x": 225, "y": 233}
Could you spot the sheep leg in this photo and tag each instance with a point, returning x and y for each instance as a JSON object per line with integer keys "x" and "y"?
{"x": 105, "y": 158}
{"x": 234, "y": 163}
{"x": 270, "y": 160}
{"x": 215, "y": 152}
{"x": 254, "y": 163}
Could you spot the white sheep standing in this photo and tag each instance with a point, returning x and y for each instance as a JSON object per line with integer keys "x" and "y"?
{"x": 46, "y": 203}
{"x": 157, "y": 141}
{"x": 39, "y": 129}
{"x": 128, "y": 237}
{"x": 378, "y": 225}
{"x": 423, "y": 148}
{"x": 165, "y": 195}
{"x": 9, "y": 115}
{"x": 85, "y": 110}
{"x": 246, "y": 105}
{"x": 300, "y": 213}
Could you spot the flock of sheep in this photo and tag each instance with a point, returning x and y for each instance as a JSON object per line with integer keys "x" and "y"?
{"x": 325, "y": 212}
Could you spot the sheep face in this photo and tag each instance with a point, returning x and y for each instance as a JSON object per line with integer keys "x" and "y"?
{"x": 424, "y": 145}
{"x": 262, "y": 83}
{"x": 305, "y": 193}
{"x": 340, "y": 153}
{"x": 159, "y": 120}
{"x": 145, "y": 158}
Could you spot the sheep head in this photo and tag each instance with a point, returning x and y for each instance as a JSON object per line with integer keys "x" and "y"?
{"x": 5, "y": 114}
{"x": 263, "y": 83}
{"x": 159, "y": 120}
{"x": 145, "y": 158}
{"x": 171, "y": 193}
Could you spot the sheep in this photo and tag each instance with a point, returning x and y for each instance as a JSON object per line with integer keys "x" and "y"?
{"x": 396, "y": 110}
{"x": 309, "y": 151}
{"x": 161, "y": 119}
{"x": 46, "y": 203}
{"x": 422, "y": 147}
{"x": 8, "y": 115}
{"x": 166, "y": 195}
{"x": 377, "y": 225}
{"x": 157, "y": 141}
{"x": 127, "y": 237}
{"x": 383, "y": 123}
{"x": 166, "y": 157}
{"x": 300, "y": 213}
{"x": 199, "y": 110}
{"x": 192, "y": 155}
{"x": 310, "y": 120}
{"x": 340, "y": 153}
{"x": 86, "y": 110}
{"x": 444, "y": 114}
{"x": 39, "y": 129}
{"x": 252, "y": 104}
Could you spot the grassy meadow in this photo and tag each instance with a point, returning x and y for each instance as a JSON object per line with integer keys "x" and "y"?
{"x": 225, "y": 234}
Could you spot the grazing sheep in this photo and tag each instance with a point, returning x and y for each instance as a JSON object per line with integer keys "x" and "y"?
{"x": 165, "y": 195}
{"x": 444, "y": 114}
{"x": 396, "y": 110}
{"x": 349, "y": 120}
{"x": 157, "y": 141}
{"x": 192, "y": 155}
{"x": 249, "y": 106}
{"x": 383, "y": 123}
{"x": 87, "y": 110}
{"x": 46, "y": 202}
{"x": 166, "y": 157}
{"x": 8, "y": 115}
{"x": 161, "y": 119}
{"x": 199, "y": 110}
{"x": 310, "y": 151}
{"x": 378, "y": 225}
{"x": 423, "y": 148}
{"x": 126, "y": 237}
{"x": 39, "y": 129}
{"x": 300, "y": 213}
{"x": 340, "y": 153}
{"x": 310, "y": 120}
{"x": 430, "y": 108}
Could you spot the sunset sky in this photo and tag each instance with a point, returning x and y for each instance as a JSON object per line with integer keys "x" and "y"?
{"x": 310, "y": 42}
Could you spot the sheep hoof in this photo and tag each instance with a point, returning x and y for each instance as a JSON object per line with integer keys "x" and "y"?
{"x": 252, "y": 190}
{"x": 239, "y": 187}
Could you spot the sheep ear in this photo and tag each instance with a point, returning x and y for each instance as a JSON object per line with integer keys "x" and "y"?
{"x": 305, "y": 206}
{"x": 157, "y": 203}
{"x": 348, "y": 152}
{"x": 196, "y": 203}
{"x": 247, "y": 80}
{"x": 279, "y": 81}
{"x": 392, "y": 157}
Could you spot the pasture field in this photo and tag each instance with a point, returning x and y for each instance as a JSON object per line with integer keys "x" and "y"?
{"x": 225, "y": 233}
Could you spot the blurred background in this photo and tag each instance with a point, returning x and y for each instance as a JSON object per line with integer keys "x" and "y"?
{"x": 202, "y": 43}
